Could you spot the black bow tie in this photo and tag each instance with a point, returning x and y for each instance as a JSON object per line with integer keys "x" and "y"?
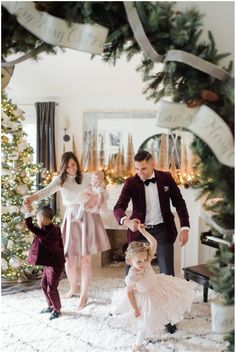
{"x": 147, "y": 181}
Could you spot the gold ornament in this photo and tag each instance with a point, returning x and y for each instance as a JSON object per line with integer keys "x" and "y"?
{"x": 26, "y": 179}
{"x": 4, "y": 139}
{"x": 26, "y": 160}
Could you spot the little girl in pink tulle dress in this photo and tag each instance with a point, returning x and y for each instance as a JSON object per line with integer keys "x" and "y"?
{"x": 149, "y": 301}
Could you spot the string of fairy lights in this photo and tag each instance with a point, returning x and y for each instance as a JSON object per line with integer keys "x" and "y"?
{"x": 182, "y": 179}
{"x": 183, "y": 165}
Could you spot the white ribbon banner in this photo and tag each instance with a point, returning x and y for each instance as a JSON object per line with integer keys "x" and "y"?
{"x": 198, "y": 63}
{"x": 204, "y": 123}
{"x": 55, "y": 31}
{"x": 139, "y": 33}
{"x": 23, "y": 57}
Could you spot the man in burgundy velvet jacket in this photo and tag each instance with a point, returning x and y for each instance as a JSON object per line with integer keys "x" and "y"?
{"x": 151, "y": 191}
{"x": 47, "y": 250}
{"x": 151, "y": 206}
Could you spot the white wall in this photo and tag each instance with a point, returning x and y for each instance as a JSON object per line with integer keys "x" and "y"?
{"x": 79, "y": 84}
{"x": 219, "y": 19}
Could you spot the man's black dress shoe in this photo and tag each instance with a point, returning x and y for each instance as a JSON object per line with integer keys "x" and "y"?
{"x": 170, "y": 328}
{"x": 55, "y": 315}
{"x": 47, "y": 310}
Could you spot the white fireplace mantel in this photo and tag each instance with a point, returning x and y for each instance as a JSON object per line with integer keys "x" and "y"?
{"x": 190, "y": 253}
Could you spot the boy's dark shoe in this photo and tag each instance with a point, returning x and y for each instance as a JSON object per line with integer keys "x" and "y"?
{"x": 170, "y": 328}
{"x": 49, "y": 309}
{"x": 55, "y": 315}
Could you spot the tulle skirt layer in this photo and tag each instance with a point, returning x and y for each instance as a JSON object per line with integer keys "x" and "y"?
{"x": 166, "y": 302}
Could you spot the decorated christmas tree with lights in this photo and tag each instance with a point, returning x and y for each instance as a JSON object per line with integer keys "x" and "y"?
{"x": 18, "y": 179}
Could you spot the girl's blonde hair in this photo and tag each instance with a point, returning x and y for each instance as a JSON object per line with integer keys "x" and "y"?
{"x": 137, "y": 247}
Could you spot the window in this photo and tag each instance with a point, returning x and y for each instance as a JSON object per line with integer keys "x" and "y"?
{"x": 29, "y": 126}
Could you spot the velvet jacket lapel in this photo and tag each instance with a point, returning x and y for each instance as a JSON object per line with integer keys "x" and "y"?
{"x": 160, "y": 188}
{"x": 141, "y": 193}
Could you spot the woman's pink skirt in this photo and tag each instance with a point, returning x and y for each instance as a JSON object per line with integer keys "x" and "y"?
{"x": 84, "y": 235}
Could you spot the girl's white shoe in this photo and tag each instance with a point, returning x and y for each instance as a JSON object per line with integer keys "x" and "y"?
{"x": 141, "y": 348}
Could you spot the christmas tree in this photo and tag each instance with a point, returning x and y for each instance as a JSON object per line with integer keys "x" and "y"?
{"x": 18, "y": 179}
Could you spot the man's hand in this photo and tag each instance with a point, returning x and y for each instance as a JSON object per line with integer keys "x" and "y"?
{"x": 183, "y": 237}
{"x": 132, "y": 224}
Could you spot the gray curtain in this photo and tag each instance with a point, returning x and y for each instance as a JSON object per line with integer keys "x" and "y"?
{"x": 46, "y": 151}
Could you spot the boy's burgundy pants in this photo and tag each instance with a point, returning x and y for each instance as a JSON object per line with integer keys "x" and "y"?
{"x": 49, "y": 284}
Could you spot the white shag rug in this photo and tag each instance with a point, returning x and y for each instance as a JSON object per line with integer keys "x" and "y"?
{"x": 94, "y": 329}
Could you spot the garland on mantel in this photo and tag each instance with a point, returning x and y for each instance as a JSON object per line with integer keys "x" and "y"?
{"x": 166, "y": 28}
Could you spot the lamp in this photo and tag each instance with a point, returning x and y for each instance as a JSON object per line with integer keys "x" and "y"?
{"x": 66, "y": 137}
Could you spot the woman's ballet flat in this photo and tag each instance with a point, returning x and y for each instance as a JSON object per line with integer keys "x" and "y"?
{"x": 141, "y": 348}
{"x": 82, "y": 305}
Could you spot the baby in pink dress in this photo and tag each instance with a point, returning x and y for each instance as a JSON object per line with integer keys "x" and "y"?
{"x": 92, "y": 198}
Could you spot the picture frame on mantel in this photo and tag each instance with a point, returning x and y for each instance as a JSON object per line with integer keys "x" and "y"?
{"x": 115, "y": 138}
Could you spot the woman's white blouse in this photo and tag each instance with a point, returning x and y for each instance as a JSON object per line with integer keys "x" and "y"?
{"x": 69, "y": 190}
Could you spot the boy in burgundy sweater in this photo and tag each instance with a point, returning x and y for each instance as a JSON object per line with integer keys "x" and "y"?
{"x": 47, "y": 250}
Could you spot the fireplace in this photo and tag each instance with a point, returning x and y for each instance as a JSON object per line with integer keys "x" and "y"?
{"x": 116, "y": 255}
